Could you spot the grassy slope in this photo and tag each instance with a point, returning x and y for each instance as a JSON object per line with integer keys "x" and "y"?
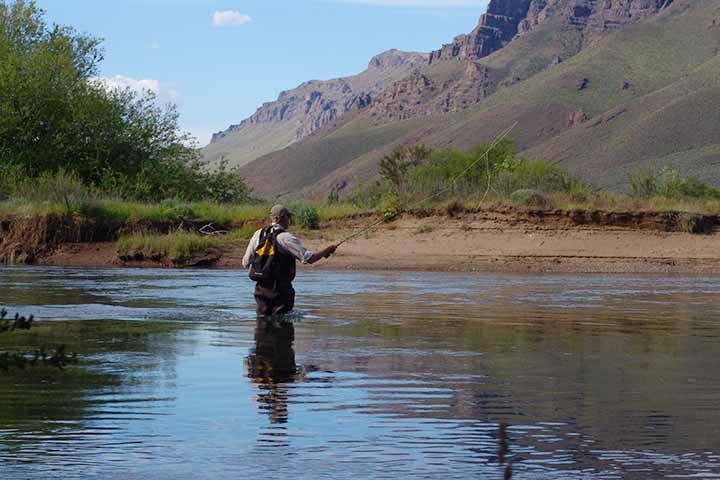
{"x": 671, "y": 108}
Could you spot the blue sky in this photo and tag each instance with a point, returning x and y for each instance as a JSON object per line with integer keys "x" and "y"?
{"x": 220, "y": 59}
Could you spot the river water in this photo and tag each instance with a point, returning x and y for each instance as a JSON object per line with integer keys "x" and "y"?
{"x": 379, "y": 375}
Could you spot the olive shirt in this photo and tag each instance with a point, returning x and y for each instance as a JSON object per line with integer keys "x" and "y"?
{"x": 286, "y": 240}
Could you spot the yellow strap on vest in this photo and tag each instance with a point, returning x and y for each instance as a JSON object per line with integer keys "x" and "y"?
{"x": 266, "y": 250}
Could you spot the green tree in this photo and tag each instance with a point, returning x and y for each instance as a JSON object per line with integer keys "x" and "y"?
{"x": 394, "y": 167}
{"x": 55, "y": 115}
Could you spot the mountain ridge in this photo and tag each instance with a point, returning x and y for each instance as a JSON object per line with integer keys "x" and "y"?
{"x": 567, "y": 67}
{"x": 300, "y": 112}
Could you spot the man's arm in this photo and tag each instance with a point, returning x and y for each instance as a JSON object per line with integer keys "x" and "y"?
{"x": 324, "y": 253}
{"x": 292, "y": 244}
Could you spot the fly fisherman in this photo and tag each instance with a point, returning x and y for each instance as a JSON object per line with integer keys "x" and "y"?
{"x": 271, "y": 256}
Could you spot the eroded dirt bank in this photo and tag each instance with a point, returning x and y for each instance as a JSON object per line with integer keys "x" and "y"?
{"x": 499, "y": 240}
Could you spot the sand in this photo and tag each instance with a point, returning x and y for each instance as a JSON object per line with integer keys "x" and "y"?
{"x": 478, "y": 242}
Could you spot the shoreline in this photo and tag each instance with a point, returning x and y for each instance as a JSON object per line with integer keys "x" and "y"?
{"x": 512, "y": 242}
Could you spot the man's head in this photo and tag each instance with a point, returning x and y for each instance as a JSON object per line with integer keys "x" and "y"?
{"x": 280, "y": 215}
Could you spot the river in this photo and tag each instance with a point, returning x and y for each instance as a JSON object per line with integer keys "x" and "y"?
{"x": 378, "y": 375}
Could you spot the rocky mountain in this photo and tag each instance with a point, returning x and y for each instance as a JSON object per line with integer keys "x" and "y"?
{"x": 456, "y": 77}
{"x": 584, "y": 79}
{"x": 302, "y": 111}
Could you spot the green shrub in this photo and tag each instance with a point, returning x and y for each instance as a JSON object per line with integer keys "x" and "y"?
{"x": 306, "y": 216}
{"x": 390, "y": 207}
{"x": 530, "y": 198}
{"x": 646, "y": 183}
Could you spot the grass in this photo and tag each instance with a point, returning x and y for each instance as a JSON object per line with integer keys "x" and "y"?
{"x": 174, "y": 247}
{"x": 121, "y": 211}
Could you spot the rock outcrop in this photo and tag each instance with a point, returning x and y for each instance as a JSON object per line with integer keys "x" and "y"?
{"x": 316, "y": 103}
{"x": 505, "y": 20}
{"x": 593, "y": 17}
{"x": 495, "y": 29}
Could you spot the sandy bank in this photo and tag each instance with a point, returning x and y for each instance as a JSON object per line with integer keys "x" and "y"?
{"x": 485, "y": 241}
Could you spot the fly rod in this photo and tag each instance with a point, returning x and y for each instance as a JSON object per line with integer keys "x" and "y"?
{"x": 502, "y": 136}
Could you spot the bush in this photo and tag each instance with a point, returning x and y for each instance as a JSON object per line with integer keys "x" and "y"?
{"x": 643, "y": 183}
{"x": 530, "y": 198}
{"x": 306, "y": 216}
{"x": 668, "y": 183}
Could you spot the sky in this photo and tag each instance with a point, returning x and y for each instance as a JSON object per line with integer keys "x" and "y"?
{"x": 219, "y": 60}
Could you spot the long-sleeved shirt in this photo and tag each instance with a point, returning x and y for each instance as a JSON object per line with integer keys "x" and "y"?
{"x": 286, "y": 240}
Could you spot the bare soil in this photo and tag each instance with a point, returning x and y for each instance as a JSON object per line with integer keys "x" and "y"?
{"x": 504, "y": 241}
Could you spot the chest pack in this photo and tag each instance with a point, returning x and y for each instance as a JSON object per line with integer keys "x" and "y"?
{"x": 271, "y": 265}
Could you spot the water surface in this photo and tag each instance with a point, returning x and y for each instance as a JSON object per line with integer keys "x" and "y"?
{"x": 379, "y": 376}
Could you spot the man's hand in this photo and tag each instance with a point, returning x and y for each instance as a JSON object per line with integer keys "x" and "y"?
{"x": 324, "y": 253}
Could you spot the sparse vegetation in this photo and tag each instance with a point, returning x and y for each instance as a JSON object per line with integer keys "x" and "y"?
{"x": 454, "y": 180}
{"x": 475, "y": 175}
{"x": 667, "y": 183}
{"x": 175, "y": 247}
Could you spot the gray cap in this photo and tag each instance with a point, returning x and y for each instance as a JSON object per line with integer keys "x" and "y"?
{"x": 279, "y": 210}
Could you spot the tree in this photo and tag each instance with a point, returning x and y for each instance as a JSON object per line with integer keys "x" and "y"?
{"x": 394, "y": 167}
{"x": 55, "y": 115}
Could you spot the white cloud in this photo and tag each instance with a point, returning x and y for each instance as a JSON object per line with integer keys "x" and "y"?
{"x": 154, "y": 46}
{"x": 164, "y": 92}
{"x": 421, "y": 3}
{"x": 229, "y": 18}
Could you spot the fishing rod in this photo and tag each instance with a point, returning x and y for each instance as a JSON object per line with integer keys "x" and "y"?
{"x": 502, "y": 136}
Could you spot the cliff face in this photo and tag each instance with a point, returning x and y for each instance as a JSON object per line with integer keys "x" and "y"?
{"x": 314, "y": 104}
{"x": 594, "y": 17}
{"x": 495, "y": 29}
{"x": 474, "y": 78}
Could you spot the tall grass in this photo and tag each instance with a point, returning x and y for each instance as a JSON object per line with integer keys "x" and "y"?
{"x": 173, "y": 247}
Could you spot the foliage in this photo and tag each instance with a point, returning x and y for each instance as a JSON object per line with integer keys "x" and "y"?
{"x": 57, "y": 117}
{"x": 394, "y": 167}
{"x": 306, "y": 216}
{"x": 453, "y": 174}
{"x": 647, "y": 183}
{"x": 529, "y": 197}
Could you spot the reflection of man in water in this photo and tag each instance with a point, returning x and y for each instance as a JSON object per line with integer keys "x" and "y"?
{"x": 272, "y": 362}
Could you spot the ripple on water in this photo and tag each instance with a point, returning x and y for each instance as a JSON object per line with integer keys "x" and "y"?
{"x": 381, "y": 376}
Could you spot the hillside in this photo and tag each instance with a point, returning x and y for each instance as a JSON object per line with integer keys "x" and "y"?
{"x": 600, "y": 90}
{"x": 302, "y": 111}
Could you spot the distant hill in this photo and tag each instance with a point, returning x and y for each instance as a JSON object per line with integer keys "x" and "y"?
{"x": 598, "y": 86}
{"x": 302, "y": 111}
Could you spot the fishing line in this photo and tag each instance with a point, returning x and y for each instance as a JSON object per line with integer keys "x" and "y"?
{"x": 486, "y": 156}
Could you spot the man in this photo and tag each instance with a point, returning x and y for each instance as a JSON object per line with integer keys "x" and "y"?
{"x": 271, "y": 256}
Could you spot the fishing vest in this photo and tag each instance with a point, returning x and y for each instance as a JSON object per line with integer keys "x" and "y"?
{"x": 272, "y": 267}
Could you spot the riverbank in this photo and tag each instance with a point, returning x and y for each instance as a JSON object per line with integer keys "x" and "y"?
{"x": 503, "y": 240}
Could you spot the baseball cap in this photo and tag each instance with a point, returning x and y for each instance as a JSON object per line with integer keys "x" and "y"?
{"x": 278, "y": 211}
